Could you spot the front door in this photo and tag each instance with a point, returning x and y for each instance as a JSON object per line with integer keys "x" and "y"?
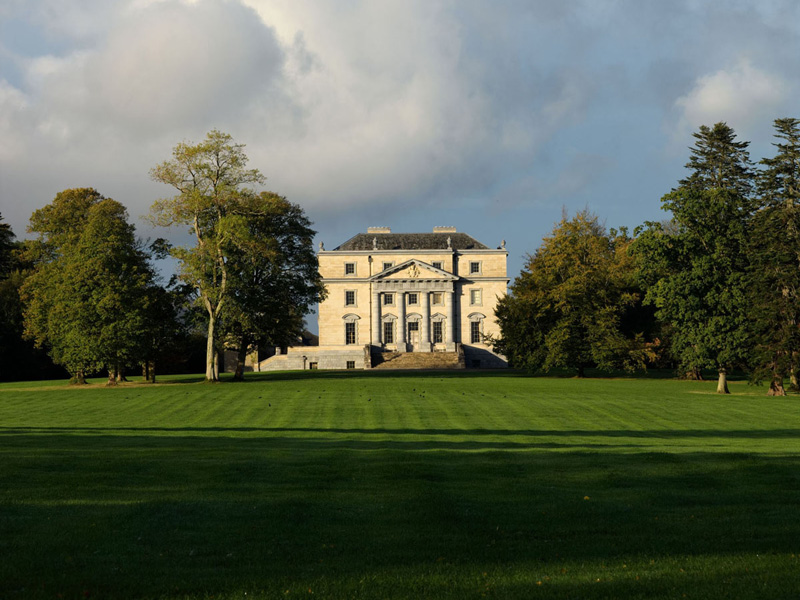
{"x": 413, "y": 333}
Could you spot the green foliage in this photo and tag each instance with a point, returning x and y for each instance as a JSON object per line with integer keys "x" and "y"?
{"x": 85, "y": 296}
{"x": 274, "y": 274}
{"x": 566, "y": 308}
{"x": 252, "y": 262}
{"x": 696, "y": 268}
{"x": 774, "y": 251}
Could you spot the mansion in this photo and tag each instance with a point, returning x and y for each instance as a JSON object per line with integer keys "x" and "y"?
{"x": 392, "y": 294}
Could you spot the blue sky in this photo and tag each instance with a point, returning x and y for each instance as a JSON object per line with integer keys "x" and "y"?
{"x": 489, "y": 116}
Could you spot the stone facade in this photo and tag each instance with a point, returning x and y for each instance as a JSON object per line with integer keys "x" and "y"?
{"x": 422, "y": 292}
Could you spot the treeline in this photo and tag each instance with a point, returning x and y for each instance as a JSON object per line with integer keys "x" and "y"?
{"x": 714, "y": 287}
{"x": 85, "y": 292}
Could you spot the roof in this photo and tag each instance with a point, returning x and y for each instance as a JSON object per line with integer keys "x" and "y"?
{"x": 412, "y": 241}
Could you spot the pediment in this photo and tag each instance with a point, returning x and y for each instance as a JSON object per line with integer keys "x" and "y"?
{"x": 413, "y": 270}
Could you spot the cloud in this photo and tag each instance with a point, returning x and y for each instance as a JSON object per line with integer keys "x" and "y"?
{"x": 742, "y": 95}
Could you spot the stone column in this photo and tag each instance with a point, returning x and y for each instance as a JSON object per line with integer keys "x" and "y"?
{"x": 425, "y": 329}
{"x": 449, "y": 301}
{"x": 401, "y": 322}
{"x": 376, "y": 318}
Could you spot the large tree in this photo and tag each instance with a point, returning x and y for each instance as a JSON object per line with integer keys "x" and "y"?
{"x": 700, "y": 260}
{"x": 274, "y": 275}
{"x": 774, "y": 250}
{"x": 84, "y": 296}
{"x": 251, "y": 262}
{"x": 568, "y": 307}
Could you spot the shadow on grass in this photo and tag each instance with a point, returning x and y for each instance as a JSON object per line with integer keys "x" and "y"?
{"x": 793, "y": 434}
{"x": 146, "y": 515}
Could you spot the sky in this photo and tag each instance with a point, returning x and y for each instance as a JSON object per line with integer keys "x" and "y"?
{"x": 493, "y": 117}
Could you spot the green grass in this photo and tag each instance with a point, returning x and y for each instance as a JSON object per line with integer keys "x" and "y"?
{"x": 375, "y": 485}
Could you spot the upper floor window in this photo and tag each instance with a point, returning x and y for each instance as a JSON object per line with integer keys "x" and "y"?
{"x": 475, "y": 298}
{"x": 437, "y": 264}
{"x": 387, "y": 265}
{"x": 350, "y": 298}
{"x": 388, "y": 299}
{"x": 437, "y": 298}
{"x": 350, "y": 268}
{"x": 475, "y": 267}
{"x": 413, "y": 298}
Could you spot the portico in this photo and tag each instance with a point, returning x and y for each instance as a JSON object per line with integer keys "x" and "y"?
{"x": 405, "y": 296}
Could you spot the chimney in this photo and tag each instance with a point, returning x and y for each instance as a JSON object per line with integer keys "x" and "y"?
{"x": 379, "y": 230}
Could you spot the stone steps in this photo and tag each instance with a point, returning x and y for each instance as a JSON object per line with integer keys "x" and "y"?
{"x": 416, "y": 360}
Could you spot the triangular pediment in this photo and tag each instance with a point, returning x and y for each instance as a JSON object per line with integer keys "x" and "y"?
{"x": 413, "y": 270}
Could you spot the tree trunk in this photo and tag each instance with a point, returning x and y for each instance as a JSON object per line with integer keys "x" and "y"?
{"x": 776, "y": 387}
{"x": 151, "y": 367}
{"x": 79, "y": 378}
{"x": 581, "y": 372}
{"x": 241, "y": 357}
{"x": 211, "y": 374}
{"x": 112, "y": 377}
{"x": 694, "y": 374}
{"x": 722, "y": 383}
{"x": 793, "y": 383}
{"x": 146, "y": 371}
{"x": 121, "y": 374}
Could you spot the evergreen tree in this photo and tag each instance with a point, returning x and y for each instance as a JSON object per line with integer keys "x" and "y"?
{"x": 702, "y": 291}
{"x": 774, "y": 249}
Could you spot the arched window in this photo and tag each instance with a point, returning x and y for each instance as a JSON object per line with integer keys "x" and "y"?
{"x": 437, "y": 328}
{"x": 476, "y": 328}
{"x": 389, "y": 325}
{"x": 351, "y": 329}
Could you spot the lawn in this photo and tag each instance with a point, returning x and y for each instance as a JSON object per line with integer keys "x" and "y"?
{"x": 376, "y": 485}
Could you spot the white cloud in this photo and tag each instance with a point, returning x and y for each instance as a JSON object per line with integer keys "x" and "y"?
{"x": 742, "y": 95}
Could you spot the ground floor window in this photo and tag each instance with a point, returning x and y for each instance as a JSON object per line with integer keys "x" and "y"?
{"x": 312, "y": 365}
{"x": 475, "y": 332}
{"x": 413, "y": 332}
{"x": 438, "y": 336}
{"x": 388, "y": 332}
{"x": 351, "y": 364}
{"x": 349, "y": 333}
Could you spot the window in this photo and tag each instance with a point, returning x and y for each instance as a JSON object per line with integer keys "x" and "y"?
{"x": 438, "y": 336}
{"x": 437, "y": 298}
{"x": 387, "y": 265}
{"x": 413, "y": 298}
{"x": 351, "y": 364}
{"x": 437, "y": 264}
{"x": 475, "y": 332}
{"x": 350, "y": 298}
{"x": 475, "y": 297}
{"x": 388, "y": 299}
{"x": 350, "y": 333}
{"x": 312, "y": 366}
{"x": 475, "y": 268}
{"x": 388, "y": 332}
{"x": 413, "y": 330}
{"x": 350, "y": 268}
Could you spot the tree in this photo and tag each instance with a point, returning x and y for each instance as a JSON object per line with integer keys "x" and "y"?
{"x": 567, "y": 307}
{"x": 243, "y": 240}
{"x": 702, "y": 260}
{"x": 274, "y": 275}
{"x": 84, "y": 296}
{"x": 774, "y": 250}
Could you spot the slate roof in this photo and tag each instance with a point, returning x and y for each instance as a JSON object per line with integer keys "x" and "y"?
{"x": 412, "y": 241}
